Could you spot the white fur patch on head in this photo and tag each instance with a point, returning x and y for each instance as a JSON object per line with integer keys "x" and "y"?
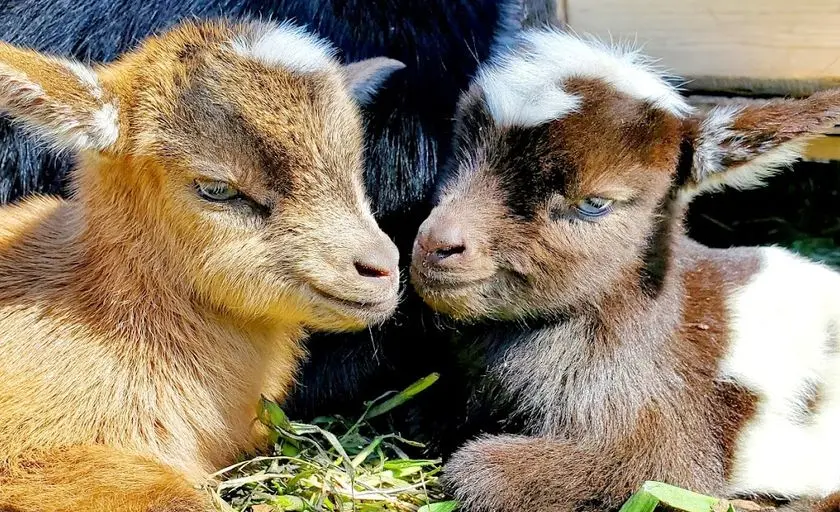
{"x": 524, "y": 86}
{"x": 286, "y": 45}
{"x": 784, "y": 340}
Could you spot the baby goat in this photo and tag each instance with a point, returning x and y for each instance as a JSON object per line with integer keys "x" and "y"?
{"x": 218, "y": 214}
{"x": 628, "y": 351}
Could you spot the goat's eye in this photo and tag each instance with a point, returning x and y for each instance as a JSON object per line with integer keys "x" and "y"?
{"x": 217, "y": 190}
{"x": 593, "y": 207}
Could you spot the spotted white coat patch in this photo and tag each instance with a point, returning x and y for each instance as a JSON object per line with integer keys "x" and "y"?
{"x": 524, "y": 86}
{"x": 784, "y": 334}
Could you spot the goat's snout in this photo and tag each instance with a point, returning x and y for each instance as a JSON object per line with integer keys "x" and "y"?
{"x": 441, "y": 242}
{"x": 378, "y": 263}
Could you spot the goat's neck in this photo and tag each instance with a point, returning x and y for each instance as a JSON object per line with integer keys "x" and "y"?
{"x": 596, "y": 367}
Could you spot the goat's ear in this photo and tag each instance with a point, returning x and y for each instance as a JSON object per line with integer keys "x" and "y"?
{"x": 59, "y": 99}
{"x": 740, "y": 146}
{"x": 364, "y": 78}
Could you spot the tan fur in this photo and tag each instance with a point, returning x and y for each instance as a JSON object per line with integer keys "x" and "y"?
{"x": 140, "y": 323}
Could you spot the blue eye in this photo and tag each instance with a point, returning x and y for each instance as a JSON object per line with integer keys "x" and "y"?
{"x": 593, "y": 208}
{"x": 216, "y": 190}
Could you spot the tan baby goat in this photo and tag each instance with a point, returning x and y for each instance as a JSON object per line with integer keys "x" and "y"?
{"x": 218, "y": 213}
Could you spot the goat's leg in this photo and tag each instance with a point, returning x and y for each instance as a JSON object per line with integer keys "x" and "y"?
{"x": 95, "y": 478}
{"x": 516, "y": 473}
{"x": 830, "y": 503}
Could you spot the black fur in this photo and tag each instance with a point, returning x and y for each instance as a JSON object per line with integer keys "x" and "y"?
{"x": 409, "y": 125}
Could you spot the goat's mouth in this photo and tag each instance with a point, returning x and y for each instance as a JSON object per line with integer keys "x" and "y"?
{"x": 368, "y": 310}
{"x": 443, "y": 283}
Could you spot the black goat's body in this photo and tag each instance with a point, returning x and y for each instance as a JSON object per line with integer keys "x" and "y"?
{"x": 408, "y": 131}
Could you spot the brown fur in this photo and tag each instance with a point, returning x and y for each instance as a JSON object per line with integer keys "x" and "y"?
{"x": 619, "y": 376}
{"x": 139, "y": 322}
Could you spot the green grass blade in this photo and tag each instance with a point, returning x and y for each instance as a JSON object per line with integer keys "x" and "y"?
{"x": 402, "y": 464}
{"x": 441, "y": 506}
{"x": 333, "y": 465}
{"x": 366, "y": 451}
{"x": 271, "y": 415}
{"x": 288, "y": 503}
{"x": 641, "y": 501}
{"x": 678, "y": 498}
{"x": 403, "y": 396}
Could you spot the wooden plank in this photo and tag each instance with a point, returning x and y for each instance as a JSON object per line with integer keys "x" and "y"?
{"x": 562, "y": 12}
{"x": 761, "y": 87}
{"x": 543, "y": 12}
{"x": 765, "y": 39}
{"x": 823, "y": 149}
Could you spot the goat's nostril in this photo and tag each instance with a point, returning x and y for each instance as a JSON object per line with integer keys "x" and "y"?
{"x": 368, "y": 270}
{"x": 440, "y": 241}
{"x": 445, "y": 252}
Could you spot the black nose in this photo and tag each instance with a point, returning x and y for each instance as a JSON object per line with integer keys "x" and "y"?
{"x": 442, "y": 243}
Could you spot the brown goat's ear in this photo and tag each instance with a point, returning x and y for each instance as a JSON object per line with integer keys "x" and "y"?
{"x": 61, "y": 100}
{"x": 365, "y": 77}
{"x": 740, "y": 146}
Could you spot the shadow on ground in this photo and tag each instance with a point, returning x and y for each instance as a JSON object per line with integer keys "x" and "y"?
{"x": 799, "y": 209}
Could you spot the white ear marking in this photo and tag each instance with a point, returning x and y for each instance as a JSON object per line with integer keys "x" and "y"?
{"x": 86, "y": 76}
{"x": 287, "y": 46}
{"x": 717, "y": 142}
{"x": 66, "y": 127}
{"x": 524, "y": 87}
{"x": 364, "y": 78}
{"x": 16, "y": 88}
{"x": 106, "y": 124}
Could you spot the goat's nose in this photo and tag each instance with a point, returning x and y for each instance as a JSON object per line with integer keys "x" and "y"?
{"x": 379, "y": 262}
{"x": 442, "y": 243}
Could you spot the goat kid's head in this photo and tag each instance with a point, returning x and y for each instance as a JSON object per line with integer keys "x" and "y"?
{"x": 229, "y": 154}
{"x": 573, "y": 161}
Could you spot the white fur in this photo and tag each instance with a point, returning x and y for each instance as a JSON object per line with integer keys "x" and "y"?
{"x": 783, "y": 322}
{"x": 717, "y": 140}
{"x": 524, "y": 87}
{"x": 86, "y": 76}
{"x": 106, "y": 126}
{"x": 715, "y": 130}
{"x": 287, "y": 46}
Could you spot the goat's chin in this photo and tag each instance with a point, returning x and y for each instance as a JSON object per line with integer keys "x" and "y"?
{"x": 341, "y": 314}
{"x": 463, "y": 302}
{"x": 473, "y": 300}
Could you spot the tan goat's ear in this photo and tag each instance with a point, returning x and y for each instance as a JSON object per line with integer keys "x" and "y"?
{"x": 740, "y": 146}
{"x": 58, "y": 99}
{"x": 365, "y": 77}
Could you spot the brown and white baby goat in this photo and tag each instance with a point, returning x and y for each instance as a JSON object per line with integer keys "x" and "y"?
{"x": 631, "y": 352}
{"x": 218, "y": 214}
